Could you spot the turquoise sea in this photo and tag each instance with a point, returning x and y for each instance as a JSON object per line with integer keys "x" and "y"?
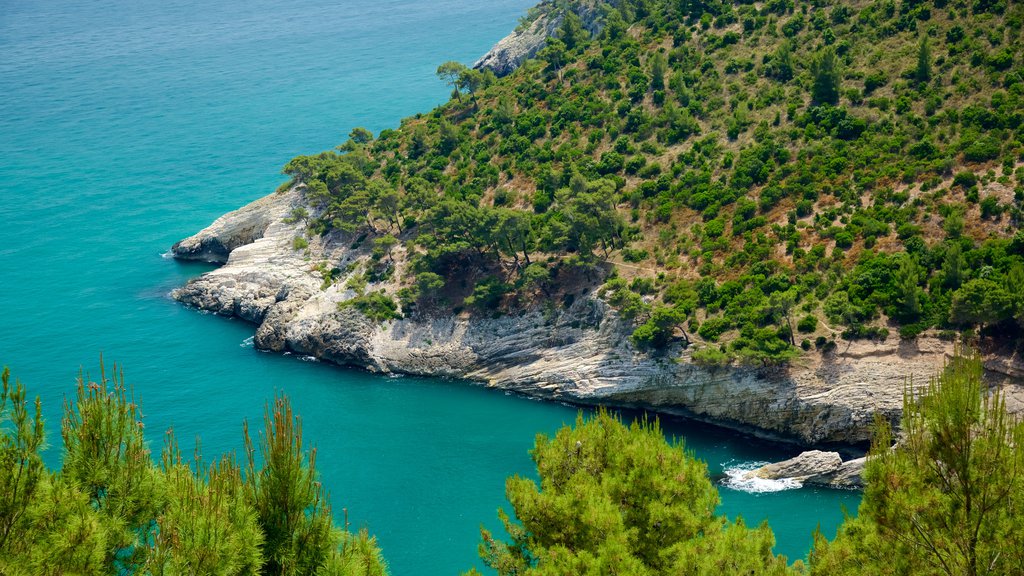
{"x": 126, "y": 125}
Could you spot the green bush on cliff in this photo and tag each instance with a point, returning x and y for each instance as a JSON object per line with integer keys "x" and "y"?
{"x": 377, "y": 306}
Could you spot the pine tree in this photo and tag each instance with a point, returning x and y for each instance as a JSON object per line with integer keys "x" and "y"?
{"x": 292, "y": 508}
{"x": 947, "y": 498}
{"x": 825, "y": 71}
{"x": 21, "y": 466}
{"x": 923, "y": 73}
{"x": 658, "y": 72}
{"x": 105, "y": 453}
{"x": 208, "y": 525}
{"x": 620, "y": 500}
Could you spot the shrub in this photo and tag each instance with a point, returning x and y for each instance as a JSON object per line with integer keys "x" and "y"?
{"x": 965, "y": 179}
{"x": 634, "y": 254}
{"x": 982, "y": 150}
{"x": 710, "y": 356}
{"x": 376, "y": 306}
{"x": 990, "y": 207}
{"x": 844, "y": 239}
{"x": 712, "y": 328}
{"x": 911, "y": 331}
{"x": 807, "y": 324}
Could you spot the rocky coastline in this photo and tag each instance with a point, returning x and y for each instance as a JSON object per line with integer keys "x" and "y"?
{"x": 580, "y": 353}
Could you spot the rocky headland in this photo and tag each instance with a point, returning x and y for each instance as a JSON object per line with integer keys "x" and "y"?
{"x": 579, "y": 353}
{"x": 275, "y": 275}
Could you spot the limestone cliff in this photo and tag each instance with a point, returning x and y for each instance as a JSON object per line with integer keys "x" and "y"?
{"x": 524, "y": 43}
{"x": 580, "y": 353}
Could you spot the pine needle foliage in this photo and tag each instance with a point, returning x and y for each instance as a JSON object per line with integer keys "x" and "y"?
{"x": 209, "y": 525}
{"x": 21, "y": 467}
{"x": 292, "y": 508}
{"x": 105, "y": 453}
{"x": 948, "y": 497}
{"x": 111, "y": 509}
{"x": 614, "y": 499}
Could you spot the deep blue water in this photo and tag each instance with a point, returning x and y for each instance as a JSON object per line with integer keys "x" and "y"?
{"x": 126, "y": 125}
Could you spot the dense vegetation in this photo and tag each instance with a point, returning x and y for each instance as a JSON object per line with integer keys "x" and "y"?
{"x": 618, "y": 500}
{"x": 111, "y": 509}
{"x": 945, "y": 500}
{"x": 753, "y": 178}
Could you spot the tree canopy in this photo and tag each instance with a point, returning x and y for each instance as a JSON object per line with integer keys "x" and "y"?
{"x": 112, "y": 509}
{"x": 616, "y": 499}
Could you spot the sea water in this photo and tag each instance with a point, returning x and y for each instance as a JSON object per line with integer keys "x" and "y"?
{"x": 126, "y": 125}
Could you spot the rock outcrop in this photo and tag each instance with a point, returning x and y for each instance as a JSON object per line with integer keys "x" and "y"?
{"x": 244, "y": 226}
{"x": 524, "y": 43}
{"x": 807, "y": 464}
{"x": 580, "y": 353}
{"x": 815, "y": 467}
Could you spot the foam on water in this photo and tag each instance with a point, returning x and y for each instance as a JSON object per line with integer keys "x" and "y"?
{"x": 736, "y": 478}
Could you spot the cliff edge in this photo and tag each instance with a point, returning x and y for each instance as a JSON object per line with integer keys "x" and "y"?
{"x": 579, "y": 353}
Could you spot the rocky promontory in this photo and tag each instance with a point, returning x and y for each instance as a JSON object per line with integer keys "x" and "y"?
{"x": 579, "y": 353}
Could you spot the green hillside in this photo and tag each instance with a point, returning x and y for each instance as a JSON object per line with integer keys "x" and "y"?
{"x": 748, "y": 178}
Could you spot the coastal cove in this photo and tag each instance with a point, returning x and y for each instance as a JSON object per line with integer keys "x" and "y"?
{"x": 128, "y": 126}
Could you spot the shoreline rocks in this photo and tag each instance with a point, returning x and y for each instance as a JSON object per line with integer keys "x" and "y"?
{"x": 817, "y": 468}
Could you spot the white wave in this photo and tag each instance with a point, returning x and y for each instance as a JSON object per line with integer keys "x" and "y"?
{"x": 169, "y": 255}
{"x": 248, "y": 342}
{"x": 308, "y": 359}
{"x": 736, "y": 478}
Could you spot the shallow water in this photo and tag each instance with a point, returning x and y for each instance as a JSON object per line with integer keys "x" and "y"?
{"x": 126, "y": 125}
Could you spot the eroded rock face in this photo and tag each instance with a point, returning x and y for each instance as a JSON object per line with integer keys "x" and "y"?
{"x": 234, "y": 229}
{"x": 521, "y": 45}
{"x": 579, "y": 353}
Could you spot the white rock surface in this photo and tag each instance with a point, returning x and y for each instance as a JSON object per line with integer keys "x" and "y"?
{"x": 815, "y": 467}
{"x": 511, "y": 51}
